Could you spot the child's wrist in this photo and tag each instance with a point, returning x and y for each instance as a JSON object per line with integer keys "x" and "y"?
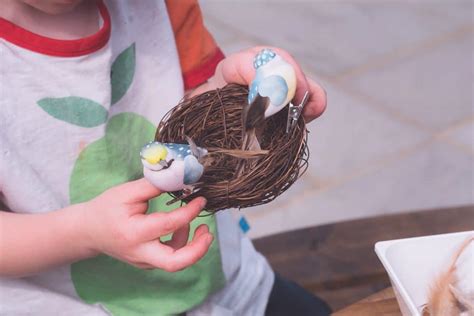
{"x": 82, "y": 230}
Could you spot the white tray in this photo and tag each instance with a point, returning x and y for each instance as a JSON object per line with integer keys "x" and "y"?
{"x": 413, "y": 263}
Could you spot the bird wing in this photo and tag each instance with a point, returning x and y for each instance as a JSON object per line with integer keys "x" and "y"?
{"x": 193, "y": 170}
{"x": 276, "y": 88}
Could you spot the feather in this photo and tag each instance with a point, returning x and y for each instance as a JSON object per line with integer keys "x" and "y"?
{"x": 195, "y": 150}
{"x": 444, "y": 298}
{"x": 250, "y": 141}
{"x": 244, "y": 154}
{"x": 465, "y": 300}
{"x": 254, "y": 114}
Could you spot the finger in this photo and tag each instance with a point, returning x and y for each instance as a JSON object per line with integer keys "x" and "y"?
{"x": 317, "y": 102}
{"x": 158, "y": 224}
{"x": 192, "y": 252}
{"x": 138, "y": 191}
{"x": 180, "y": 238}
{"x": 236, "y": 68}
{"x": 168, "y": 259}
{"x": 201, "y": 230}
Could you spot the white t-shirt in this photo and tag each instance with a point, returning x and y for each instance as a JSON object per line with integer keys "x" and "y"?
{"x": 73, "y": 116}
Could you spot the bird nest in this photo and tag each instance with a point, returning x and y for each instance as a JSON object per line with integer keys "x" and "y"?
{"x": 233, "y": 178}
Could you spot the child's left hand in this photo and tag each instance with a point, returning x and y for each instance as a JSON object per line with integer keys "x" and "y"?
{"x": 238, "y": 68}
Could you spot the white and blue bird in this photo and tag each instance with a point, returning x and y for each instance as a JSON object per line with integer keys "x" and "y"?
{"x": 172, "y": 167}
{"x": 273, "y": 87}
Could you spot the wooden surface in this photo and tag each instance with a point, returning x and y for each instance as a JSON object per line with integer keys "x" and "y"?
{"x": 383, "y": 303}
{"x": 337, "y": 261}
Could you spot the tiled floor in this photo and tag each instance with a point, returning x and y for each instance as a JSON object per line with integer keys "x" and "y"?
{"x": 398, "y": 134}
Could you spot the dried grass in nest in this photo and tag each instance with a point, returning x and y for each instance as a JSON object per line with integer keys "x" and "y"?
{"x": 214, "y": 121}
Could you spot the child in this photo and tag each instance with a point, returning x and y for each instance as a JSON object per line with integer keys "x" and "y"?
{"x": 83, "y": 86}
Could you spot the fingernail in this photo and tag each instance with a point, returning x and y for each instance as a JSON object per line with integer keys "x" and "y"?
{"x": 203, "y": 202}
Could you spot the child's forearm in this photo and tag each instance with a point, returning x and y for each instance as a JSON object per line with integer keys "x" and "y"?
{"x": 30, "y": 243}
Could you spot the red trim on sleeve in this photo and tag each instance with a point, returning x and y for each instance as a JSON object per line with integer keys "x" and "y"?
{"x": 199, "y": 75}
{"x": 55, "y": 47}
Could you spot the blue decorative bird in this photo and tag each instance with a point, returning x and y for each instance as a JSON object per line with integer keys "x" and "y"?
{"x": 172, "y": 167}
{"x": 273, "y": 87}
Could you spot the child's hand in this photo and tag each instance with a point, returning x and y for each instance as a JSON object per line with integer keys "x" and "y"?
{"x": 118, "y": 226}
{"x": 238, "y": 68}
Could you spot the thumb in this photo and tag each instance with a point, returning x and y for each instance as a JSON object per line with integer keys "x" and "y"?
{"x": 138, "y": 191}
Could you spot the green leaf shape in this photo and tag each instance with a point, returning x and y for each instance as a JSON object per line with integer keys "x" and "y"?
{"x": 75, "y": 110}
{"x": 121, "y": 288}
{"x": 123, "y": 70}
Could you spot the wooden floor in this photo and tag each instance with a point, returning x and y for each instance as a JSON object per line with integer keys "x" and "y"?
{"x": 383, "y": 303}
{"x": 337, "y": 261}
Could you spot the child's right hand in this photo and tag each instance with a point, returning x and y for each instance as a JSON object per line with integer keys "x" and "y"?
{"x": 116, "y": 224}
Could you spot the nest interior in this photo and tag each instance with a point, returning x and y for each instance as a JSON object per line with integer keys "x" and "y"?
{"x": 213, "y": 120}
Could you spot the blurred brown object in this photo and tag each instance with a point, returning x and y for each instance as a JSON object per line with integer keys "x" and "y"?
{"x": 337, "y": 261}
{"x": 445, "y": 297}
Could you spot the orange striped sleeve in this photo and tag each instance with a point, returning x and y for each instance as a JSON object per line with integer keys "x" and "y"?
{"x": 198, "y": 52}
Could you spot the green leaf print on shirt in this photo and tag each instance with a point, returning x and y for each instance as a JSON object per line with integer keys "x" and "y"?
{"x": 75, "y": 110}
{"x": 121, "y": 288}
{"x": 121, "y": 75}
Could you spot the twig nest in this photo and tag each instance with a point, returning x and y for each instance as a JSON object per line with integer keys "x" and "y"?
{"x": 214, "y": 121}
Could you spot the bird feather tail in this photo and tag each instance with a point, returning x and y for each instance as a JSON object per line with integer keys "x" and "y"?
{"x": 250, "y": 141}
{"x": 442, "y": 301}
